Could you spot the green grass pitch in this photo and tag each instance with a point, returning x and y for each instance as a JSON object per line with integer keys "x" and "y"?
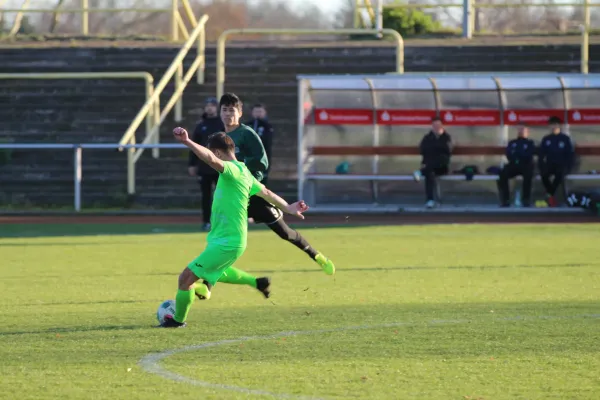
{"x": 415, "y": 312}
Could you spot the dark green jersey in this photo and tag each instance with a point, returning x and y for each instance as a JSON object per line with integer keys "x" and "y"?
{"x": 250, "y": 150}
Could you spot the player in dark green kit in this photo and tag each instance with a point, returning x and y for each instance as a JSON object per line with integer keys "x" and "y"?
{"x": 250, "y": 150}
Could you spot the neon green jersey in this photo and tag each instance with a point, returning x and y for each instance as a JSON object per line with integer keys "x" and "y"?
{"x": 229, "y": 220}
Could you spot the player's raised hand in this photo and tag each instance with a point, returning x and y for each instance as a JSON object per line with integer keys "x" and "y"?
{"x": 181, "y": 135}
{"x": 298, "y": 208}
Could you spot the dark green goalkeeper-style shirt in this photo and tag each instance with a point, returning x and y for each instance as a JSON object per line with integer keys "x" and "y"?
{"x": 250, "y": 150}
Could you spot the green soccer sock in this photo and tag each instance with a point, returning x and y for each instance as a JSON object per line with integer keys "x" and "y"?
{"x": 237, "y": 277}
{"x": 183, "y": 303}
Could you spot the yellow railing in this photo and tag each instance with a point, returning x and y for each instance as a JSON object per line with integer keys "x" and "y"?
{"x": 177, "y": 25}
{"x": 152, "y": 105}
{"x": 359, "y": 22}
{"x": 222, "y": 42}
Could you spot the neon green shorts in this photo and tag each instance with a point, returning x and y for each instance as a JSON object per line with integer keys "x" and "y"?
{"x": 213, "y": 261}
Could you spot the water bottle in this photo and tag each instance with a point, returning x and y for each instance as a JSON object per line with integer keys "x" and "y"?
{"x": 518, "y": 198}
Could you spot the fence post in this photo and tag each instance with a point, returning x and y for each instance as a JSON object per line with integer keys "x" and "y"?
{"x": 356, "y": 14}
{"x": 379, "y": 18}
{"x": 130, "y": 172}
{"x": 585, "y": 38}
{"x": 467, "y": 22}
{"x": 77, "y": 172}
{"x": 85, "y": 18}
{"x": 221, "y": 41}
{"x": 202, "y": 53}
{"x": 178, "y": 84}
{"x": 174, "y": 26}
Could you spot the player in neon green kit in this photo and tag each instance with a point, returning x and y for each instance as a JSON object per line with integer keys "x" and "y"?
{"x": 228, "y": 237}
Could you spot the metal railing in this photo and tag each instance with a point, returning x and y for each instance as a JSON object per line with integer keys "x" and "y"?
{"x": 468, "y": 8}
{"x": 78, "y": 157}
{"x": 222, "y": 42}
{"x": 177, "y": 25}
{"x": 152, "y": 105}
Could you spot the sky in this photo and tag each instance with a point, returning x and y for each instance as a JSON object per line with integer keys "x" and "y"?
{"x": 326, "y": 5}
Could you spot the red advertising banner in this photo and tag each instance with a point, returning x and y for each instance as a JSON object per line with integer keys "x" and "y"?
{"x": 405, "y": 117}
{"x": 531, "y": 117}
{"x": 339, "y": 116}
{"x": 470, "y": 117}
{"x": 584, "y": 116}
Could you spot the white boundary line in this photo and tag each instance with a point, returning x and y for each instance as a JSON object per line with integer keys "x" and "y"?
{"x": 150, "y": 362}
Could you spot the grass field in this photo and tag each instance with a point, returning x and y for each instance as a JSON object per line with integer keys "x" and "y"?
{"x": 414, "y": 312}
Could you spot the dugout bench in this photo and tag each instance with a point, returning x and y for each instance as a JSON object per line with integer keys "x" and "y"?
{"x": 581, "y": 151}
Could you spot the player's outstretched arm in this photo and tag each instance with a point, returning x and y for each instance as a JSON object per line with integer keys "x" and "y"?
{"x": 295, "y": 209}
{"x": 181, "y": 135}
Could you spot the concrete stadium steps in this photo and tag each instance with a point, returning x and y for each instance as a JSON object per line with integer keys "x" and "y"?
{"x": 78, "y": 111}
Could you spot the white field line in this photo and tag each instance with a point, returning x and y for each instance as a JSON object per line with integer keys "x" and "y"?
{"x": 150, "y": 362}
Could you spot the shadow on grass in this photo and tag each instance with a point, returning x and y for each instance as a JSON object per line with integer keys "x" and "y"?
{"x": 101, "y": 328}
{"x": 276, "y": 317}
{"x": 317, "y": 270}
{"x": 80, "y": 303}
{"x": 15, "y": 231}
{"x": 410, "y": 268}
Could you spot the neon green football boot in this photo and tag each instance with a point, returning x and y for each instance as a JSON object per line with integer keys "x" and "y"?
{"x": 325, "y": 263}
{"x": 202, "y": 290}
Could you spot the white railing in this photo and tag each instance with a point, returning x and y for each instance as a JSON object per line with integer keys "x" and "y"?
{"x": 78, "y": 157}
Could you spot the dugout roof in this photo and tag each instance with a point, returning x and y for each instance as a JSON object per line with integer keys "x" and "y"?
{"x": 453, "y": 81}
{"x": 483, "y": 99}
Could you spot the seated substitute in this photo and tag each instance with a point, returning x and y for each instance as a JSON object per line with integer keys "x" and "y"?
{"x": 436, "y": 150}
{"x": 555, "y": 157}
{"x": 520, "y": 153}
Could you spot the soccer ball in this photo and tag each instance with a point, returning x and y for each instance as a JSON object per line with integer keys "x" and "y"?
{"x": 166, "y": 308}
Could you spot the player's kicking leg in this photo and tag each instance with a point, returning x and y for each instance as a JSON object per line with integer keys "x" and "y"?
{"x": 263, "y": 212}
{"x": 208, "y": 266}
{"x": 183, "y": 300}
{"x": 235, "y": 276}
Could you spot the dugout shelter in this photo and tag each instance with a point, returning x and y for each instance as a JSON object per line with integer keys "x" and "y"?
{"x": 358, "y": 136}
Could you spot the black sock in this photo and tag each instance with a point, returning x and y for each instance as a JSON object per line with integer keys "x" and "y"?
{"x": 294, "y": 237}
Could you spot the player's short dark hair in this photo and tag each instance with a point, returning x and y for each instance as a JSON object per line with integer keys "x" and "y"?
{"x": 258, "y": 105}
{"x": 231, "y": 100}
{"x": 436, "y": 118}
{"x": 554, "y": 120}
{"x": 221, "y": 141}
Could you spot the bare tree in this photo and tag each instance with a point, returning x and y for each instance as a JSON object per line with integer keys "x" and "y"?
{"x": 224, "y": 14}
{"x": 345, "y": 16}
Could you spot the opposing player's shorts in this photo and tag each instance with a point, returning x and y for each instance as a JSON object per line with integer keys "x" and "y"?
{"x": 213, "y": 261}
{"x": 262, "y": 211}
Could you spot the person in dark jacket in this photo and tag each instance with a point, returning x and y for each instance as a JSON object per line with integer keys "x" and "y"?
{"x": 520, "y": 153}
{"x": 207, "y": 177}
{"x": 555, "y": 157}
{"x": 261, "y": 125}
{"x": 436, "y": 150}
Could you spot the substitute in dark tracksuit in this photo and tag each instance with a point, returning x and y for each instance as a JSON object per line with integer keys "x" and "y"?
{"x": 207, "y": 177}
{"x": 555, "y": 157}
{"x": 520, "y": 153}
{"x": 263, "y": 128}
{"x": 436, "y": 150}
